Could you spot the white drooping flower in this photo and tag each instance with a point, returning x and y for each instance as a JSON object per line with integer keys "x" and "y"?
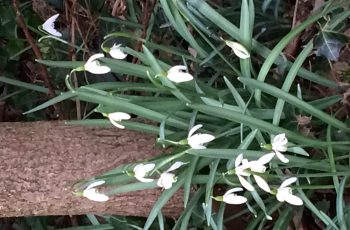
{"x": 117, "y": 117}
{"x": 141, "y": 170}
{"x": 177, "y": 74}
{"x": 93, "y": 65}
{"x": 91, "y": 193}
{"x": 238, "y": 49}
{"x": 284, "y": 193}
{"x": 167, "y": 179}
{"x": 196, "y": 141}
{"x": 230, "y": 197}
{"x": 245, "y": 168}
{"x": 49, "y": 26}
{"x": 117, "y": 52}
{"x": 279, "y": 144}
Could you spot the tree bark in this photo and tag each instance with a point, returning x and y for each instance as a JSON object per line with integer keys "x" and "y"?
{"x": 40, "y": 160}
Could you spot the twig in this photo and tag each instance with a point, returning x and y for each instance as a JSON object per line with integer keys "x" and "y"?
{"x": 43, "y": 74}
{"x": 149, "y": 6}
{"x": 70, "y": 11}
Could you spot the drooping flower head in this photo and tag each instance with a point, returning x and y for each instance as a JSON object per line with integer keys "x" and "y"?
{"x": 238, "y": 49}
{"x": 117, "y": 52}
{"x": 91, "y": 193}
{"x": 245, "y": 168}
{"x": 141, "y": 170}
{"x": 196, "y": 141}
{"x": 177, "y": 74}
{"x": 167, "y": 179}
{"x": 284, "y": 193}
{"x": 279, "y": 144}
{"x": 94, "y": 66}
{"x": 117, "y": 117}
{"x": 230, "y": 197}
{"x": 49, "y": 26}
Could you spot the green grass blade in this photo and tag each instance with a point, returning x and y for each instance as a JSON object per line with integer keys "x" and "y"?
{"x": 260, "y": 124}
{"x": 340, "y": 204}
{"x": 131, "y": 108}
{"x": 24, "y": 85}
{"x": 289, "y": 81}
{"x": 278, "y": 93}
{"x": 189, "y": 172}
{"x": 166, "y": 195}
{"x": 209, "y": 189}
{"x": 280, "y": 46}
{"x": 62, "y": 97}
{"x": 224, "y": 24}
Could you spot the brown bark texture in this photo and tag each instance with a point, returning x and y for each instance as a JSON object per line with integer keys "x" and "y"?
{"x": 39, "y": 161}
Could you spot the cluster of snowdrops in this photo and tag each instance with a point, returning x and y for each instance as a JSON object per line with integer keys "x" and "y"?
{"x": 243, "y": 169}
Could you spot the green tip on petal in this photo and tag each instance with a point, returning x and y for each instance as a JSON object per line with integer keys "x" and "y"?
{"x": 266, "y": 146}
{"x": 218, "y": 198}
{"x": 231, "y": 172}
{"x": 183, "y": 142}
{"x": 78, "y": 69}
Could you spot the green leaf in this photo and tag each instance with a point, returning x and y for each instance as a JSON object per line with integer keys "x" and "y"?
{"x": 278, "y": 93}
{"x": 166, "y": 195}
{"x": 62, "y": 97}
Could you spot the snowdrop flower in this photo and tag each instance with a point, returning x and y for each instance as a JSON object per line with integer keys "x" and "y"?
{"x": 230, "y": 197}
{"x": 117, "y": 117}
{"x": 177, "y": 74}
{"x": 246, "y": 168}
{"x": 116, "y": 52}
{"x": 141, "y": 170}
{"x": 91, "y": 193}
{"x": 167, "y": 179}
{"x": 284, "y": 193}
{"x": 238, "y": 49}
{"x": 49, "y": 26}
{"x": 93, "y": 65}
{"x": 196, "y": 141}
{"x": 279, "y": 144}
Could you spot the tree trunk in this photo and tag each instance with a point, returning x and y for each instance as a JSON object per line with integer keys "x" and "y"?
{"x": 39, "y": 161}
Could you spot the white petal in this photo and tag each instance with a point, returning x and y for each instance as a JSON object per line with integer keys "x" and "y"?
{"x": 177, "y": 69}
{"x": 166, "y": 180}
{"x": 238, "y": 160}
{"x": 281, "y": 157}
{"x": 194, "y": 129}
{"x": 93, "y": 65}
{"x": 176, "y": 165}
{"x": 266, "y": 158}
{"x": 233, "y": 190}
{"x": 116, "y": 52}
{"x": 280, "y": 196}
{"x": 234, "y": 199}
{"x": 279, "y": 143}
{"x": 179, "y": 77}
{"x": 256, "y": 167}
{"x": 95, "y": 57}
{"x": 97, "y": 69}
{"x": 91, "y": 194}
{"x": 49, "y": 26}
{"x": 118, "y": 116}
{"x": 294, "y": 200}
{"x": 238, "y": 49}
{"x": 117, "y": 124}
{"x": 199, "y": 139}
{"x": 142, "y": 169}
{"x": 287, "y": 182}
{"x": 245, "y": 183}
{"x": 95, "y": 184}
{"x": 262, "y": 183}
